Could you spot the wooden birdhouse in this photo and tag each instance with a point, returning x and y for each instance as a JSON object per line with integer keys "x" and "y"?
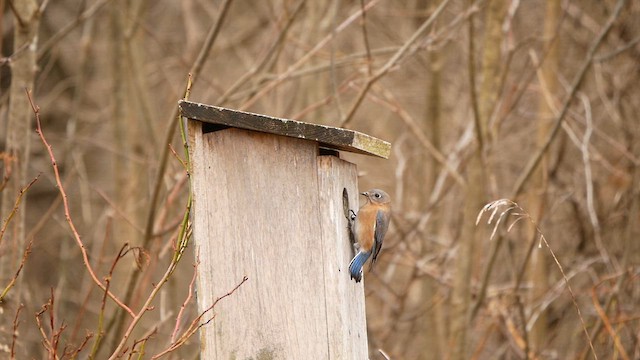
{"x": 269, "y": 203}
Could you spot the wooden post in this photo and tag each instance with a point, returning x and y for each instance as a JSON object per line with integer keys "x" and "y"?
{"x": 270, "y": 207}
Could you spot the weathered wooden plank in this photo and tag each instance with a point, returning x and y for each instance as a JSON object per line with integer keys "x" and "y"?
{"x": 345, "y": 307}
{"x": 326, "y": 136}
{"x": 256, "y": 213}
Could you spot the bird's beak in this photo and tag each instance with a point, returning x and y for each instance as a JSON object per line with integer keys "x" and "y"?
{"x": 365, "y": 194}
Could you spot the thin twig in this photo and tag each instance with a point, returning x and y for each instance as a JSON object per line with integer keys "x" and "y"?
{"x": 419, "y": 134}
{"x": 618, "y": 51}
{"x": 391, "y": 63}
{"x": 121, "y": 213}
{"x": 67, "y": 212}
{"x": 333, "y": 75}
{"x": 16, "y": 205}
{"x": 73, "y": 354}
{"x": 194, "y": 73}
{"x": 186, "y": 301}
{"x": 535, "y": 160}
{"x": 607, "y": 324}
{"x": 291, "y": 69}
{"x": 365, "y": 40}
{"x": 384, "y": 354}
{"x": 100, "y": 330}
{"x": 13, "y": 280}
{"x": 70, "y": 26}
{"x": 523, "y": 213}
{"x": 14, "y": 336}
{"x": 182, "y": 242}
{"x": 197, "y": 324}
{"x": 144, "y": 309}
{"x": 597, "y": 327}
{"x": 52, "y": 342}
{"x": 591, "y": 207}
{"x": 473, "y": 94}
{"x": 267, "y": 58}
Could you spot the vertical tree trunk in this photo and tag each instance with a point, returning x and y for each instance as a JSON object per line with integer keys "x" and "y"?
{"x": 128, "y": 119}
{"x": 18, "y": 144}
{"x": 129, "y": 173}
{"x": 119, "y": 113}
{"x": 465, "y": 261}
{"x": 475, "y": 194}
{"x": 537, "y": 195}
{"x": 491, "y": 63}
{"x": 432, "y": 329}
{"x": 127, "y": 122}
{"x": 19, "y": 132}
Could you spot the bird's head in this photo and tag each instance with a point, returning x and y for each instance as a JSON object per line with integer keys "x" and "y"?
{"x": 377, "y": 196}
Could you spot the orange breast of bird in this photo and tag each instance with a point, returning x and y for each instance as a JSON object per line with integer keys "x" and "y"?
{"x": 366, "y": 226}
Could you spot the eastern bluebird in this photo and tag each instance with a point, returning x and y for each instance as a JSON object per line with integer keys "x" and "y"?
{"x": 369, "y": 228}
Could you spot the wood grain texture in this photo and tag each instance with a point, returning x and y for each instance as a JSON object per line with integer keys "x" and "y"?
{"x": 346, "y": 318}
{"x": 258, "y": 212}
{"x": 326, "y": 136}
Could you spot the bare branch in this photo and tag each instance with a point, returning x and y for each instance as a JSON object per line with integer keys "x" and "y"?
{"x": 67, "y": 212}
{"x": 577, "y": 82}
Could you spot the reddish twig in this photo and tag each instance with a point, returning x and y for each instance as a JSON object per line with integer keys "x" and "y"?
{"x": 84, "y": 307}
{"x": 142, "y": 341}
{"x": 96, "y": 345}
{"x": 182, "y": 242}
{"x": 8, "y": 169}
{"x": 55, "y": 334}
{"x": 183, "y": 307}
{"x": 50, "y": 343}
{"x": 196, "y": 324}
{"x": 174, "y": 194}
{"x": 244, "y": 279}
{"x": 607, "y": 324}
{"x": 151, "y": 220}
{"x": 16, "y": 205}
{"x": 175, "y": 154}
{"x": 13, "y": 280}
{"x": 16, "y": 322}
{"x": 73, "y": 353}
{"x": 67, "y": 213}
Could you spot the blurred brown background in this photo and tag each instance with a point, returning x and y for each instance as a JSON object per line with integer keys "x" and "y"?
{"x": 470, "y": 93}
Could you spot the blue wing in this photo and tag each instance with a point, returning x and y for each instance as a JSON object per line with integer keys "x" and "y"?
{"x": 355, "y": 267}
{"x": 382, "y": 224}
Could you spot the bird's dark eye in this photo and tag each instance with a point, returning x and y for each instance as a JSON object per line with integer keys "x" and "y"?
{"x": 377, "y": 195}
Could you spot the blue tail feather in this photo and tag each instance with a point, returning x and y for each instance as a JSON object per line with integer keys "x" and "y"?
{"x": 355, "y": 267}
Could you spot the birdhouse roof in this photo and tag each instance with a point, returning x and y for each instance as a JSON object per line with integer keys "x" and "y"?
{"x": 326, "y": 136}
